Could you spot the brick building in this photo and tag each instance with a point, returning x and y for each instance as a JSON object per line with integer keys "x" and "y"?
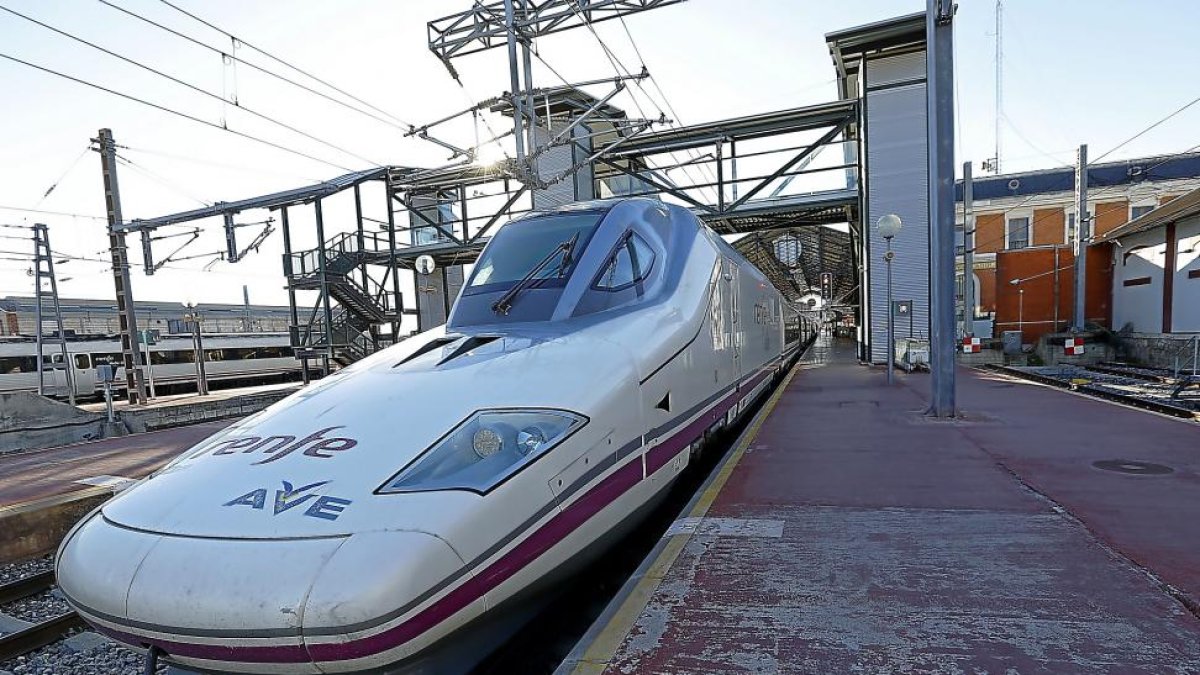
{"x": 1025, "y": 222}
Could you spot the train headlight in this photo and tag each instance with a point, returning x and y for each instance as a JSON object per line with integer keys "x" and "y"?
{"x": 484, "y": 450}
{"x": 530, "y": 440}
{"x": 486, "y": 442}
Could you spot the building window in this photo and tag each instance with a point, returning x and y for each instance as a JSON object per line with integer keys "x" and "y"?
{"x": 1018, "y": 233}
{"x": 1136, "y": 212}
{"x": 1070, "y": 228}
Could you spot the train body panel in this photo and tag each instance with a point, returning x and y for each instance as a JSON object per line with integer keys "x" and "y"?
{"x": 227, "y": 357}
{"x": 436, "y": 484}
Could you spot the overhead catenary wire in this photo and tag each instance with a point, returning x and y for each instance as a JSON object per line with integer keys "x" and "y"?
{"x": 675, "y": 118}
{"x": 199, "y": 90}
{"x": 1099, "y": 192}
{"x": 172, "y": 111}
{"x": 1148, "y": 129}
{"x": 403, "y": 126}
{"x": 162, "y": 180}
{"x": 67, "y": 214}
{"x": 219, "y": 165}
{"x": 63, "y": 175}
{"x": 620, "y": 69}
{"x": 283, "y": 62}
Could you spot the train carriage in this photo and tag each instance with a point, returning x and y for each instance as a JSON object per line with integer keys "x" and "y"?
{"x": 247, "y": 357}
{"x": 407, "y": 513}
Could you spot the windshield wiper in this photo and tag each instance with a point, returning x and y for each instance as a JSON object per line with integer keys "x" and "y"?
{"x": 505, "y": 302}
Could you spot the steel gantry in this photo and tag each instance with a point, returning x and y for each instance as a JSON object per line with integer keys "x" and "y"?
{"x": 788, "y": 173}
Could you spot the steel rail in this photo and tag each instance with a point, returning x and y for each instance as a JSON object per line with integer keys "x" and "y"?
{"x": 38, "y": 635}
{"x": 26, "y": 586}
{"x": 1098, "y": 392}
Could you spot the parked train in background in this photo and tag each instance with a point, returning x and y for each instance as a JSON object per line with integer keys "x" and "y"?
{"x": 250, "y": 358}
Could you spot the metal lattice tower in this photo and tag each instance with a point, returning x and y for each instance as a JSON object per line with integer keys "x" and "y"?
{"x": 43, "y": 270}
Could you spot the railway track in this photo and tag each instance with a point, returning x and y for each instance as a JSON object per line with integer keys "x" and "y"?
{"x": 40, "y": 633}
{"x": 1153, "y": 396}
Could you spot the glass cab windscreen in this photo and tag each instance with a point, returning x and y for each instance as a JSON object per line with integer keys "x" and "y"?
{"x": 518, "y": 248}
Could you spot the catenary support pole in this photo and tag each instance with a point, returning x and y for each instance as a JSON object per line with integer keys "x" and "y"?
{"x": 135, "y": 385}
{"x": 68, "y": 366}
{"x": 1083, "y": 233}
{"x": 939, "y": 27}
{"x": 246, "y": 322}
{"x": 40, "y": 361}
{"x": 514, "y": 75}
{"x": 968, "y": 252}
{"x": 530, "y": 108}
{"x": 198, "y": 346}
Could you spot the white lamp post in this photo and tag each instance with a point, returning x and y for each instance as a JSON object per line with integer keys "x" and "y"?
{"x": 888, "y": 227}
{"x": 1021, "y": 306}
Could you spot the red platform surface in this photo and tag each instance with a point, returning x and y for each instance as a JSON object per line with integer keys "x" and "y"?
{"x": 870, "y": 539}
{"x": 48, "y": 472}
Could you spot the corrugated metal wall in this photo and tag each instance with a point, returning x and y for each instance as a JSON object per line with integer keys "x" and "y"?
{"x": 1186, "y": 308}
{"x": 897, "y": 182}
{"x": 557, "y": 160}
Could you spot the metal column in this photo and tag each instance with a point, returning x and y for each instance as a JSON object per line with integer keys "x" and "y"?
{"x": 515, "y": 82}
{"x": 321, "y": 255}
{"x": 293, "y": 315}
{"x": 530, "y": 109}
{"x": 360, "y": 237}
{"x": 398, "y": 306}
{"x": 134, "y": 382}
{"x": 1083, "y": 222}
{"x": 968, "y": 252}
{"x": 939, "y": 34}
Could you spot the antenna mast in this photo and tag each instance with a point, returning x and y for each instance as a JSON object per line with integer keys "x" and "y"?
{"x": 999, "y": 112}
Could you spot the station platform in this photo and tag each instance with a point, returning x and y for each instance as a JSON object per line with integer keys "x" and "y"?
{"x": 49, "y": 472}
{"x": 191, "y": 398}
{"x": 1043, "y": 532}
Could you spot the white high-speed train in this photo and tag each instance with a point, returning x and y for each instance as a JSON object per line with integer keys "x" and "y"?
{"x": 245, "y": 357}
{"x": 407, "y": 512}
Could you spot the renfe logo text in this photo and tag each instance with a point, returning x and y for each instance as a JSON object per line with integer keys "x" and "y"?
{"x": 277, "y": 447}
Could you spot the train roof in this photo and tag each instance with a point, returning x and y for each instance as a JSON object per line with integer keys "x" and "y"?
{"x": 26, "y": 303}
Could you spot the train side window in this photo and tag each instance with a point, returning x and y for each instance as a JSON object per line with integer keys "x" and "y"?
{"x": 629, "y": 264}
{"x": 11, "y": 365}
{"x": 82, "y": 362}
{"x": 172, "y": 357}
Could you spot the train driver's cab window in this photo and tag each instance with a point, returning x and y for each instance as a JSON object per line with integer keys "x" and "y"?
{"x": 630, "y": 263}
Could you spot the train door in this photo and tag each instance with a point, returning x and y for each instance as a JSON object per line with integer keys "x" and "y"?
{"x": 57, "y": 380}
{"x": 85, "y": 377}
{"x": 732, "y": 291}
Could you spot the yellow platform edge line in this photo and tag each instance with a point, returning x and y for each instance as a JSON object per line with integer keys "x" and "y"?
{"x": 598, "y": 654}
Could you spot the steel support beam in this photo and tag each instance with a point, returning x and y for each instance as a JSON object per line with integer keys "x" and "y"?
{"x": 939, "y": 35}
{"x": 483, "y": 26}
{"x": 969, "y": 253}
{"x": 132, "y": 356}
{"x": 1083, "y": 227}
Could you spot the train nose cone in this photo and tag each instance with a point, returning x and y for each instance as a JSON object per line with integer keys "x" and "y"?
{"x": 231, "y": 604}
{"x": 382, "y": 598}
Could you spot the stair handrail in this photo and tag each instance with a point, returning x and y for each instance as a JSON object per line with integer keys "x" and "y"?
{"x": 1194, "y": 343}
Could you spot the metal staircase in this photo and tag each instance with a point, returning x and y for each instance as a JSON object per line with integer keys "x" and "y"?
{"x": 339, "y": 270}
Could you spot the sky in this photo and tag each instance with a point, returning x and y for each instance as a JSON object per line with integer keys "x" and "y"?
{"x": 1073, "y": 71}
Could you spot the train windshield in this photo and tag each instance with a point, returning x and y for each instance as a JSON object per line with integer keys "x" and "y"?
{"x": 519, "y": 247}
